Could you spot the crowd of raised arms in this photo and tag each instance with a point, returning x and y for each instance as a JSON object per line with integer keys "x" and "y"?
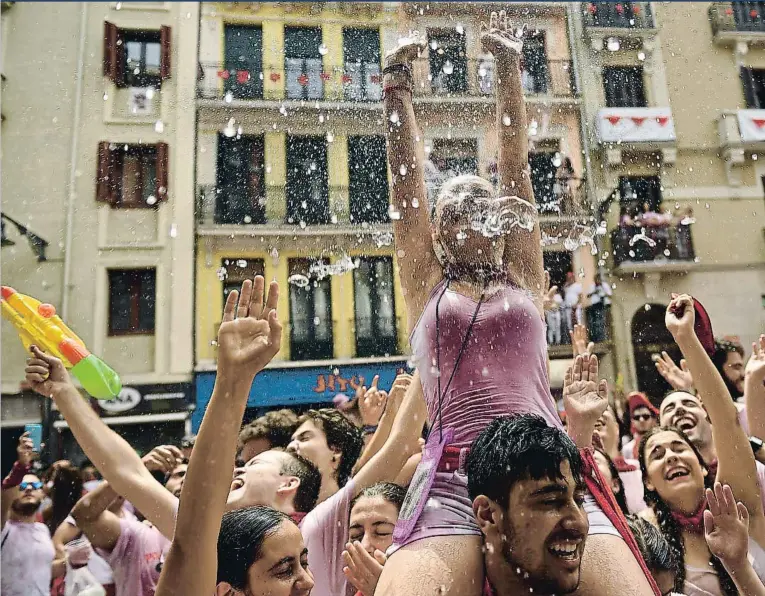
{"x": 463, "y": 478}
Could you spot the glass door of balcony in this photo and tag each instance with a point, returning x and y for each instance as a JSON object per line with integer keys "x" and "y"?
{"x": 303, "y": 63}
{"x": 243, "y": 70}
{"x": 307, "y": 180}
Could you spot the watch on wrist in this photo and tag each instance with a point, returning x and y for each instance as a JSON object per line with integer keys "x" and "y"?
{"x": 755, "y": 443}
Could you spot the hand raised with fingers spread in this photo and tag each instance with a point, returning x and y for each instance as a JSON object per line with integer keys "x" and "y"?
{"x": 548, "y": 294}
{"x": 47, "y": 375}
{"x": 726, "y": 525}
{"x": 362, "y": 569}
{"x": 584, "y": 397}
{"x": 579, "y": 341}
{"x": 250, "y": 334}
{"x": 755, "y": 368}
{"x": 679, "y": 377}
{"x": 499, "y": 38}
{"x": 372, "y": 403}
{"x": 680, "y": 316}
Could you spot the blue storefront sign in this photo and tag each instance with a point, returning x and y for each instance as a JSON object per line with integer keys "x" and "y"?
{"x": 295, "y": 386}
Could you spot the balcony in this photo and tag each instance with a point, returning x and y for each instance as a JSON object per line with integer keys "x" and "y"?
{"x": 637, "y": 130}
{"x": 360, "y": 84}
{"x": 741, "y": 132}
{"x": 654, "y": 248}
{"x": 738, "y": 22}
{"x": 629, "y": 22}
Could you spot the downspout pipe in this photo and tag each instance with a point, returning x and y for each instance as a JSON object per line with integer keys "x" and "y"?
{"x": 74, "y": 155}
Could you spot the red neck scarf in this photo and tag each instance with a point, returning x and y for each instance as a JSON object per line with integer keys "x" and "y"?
{"x": 693, "y": 523}
{"x": 622, "y": 465}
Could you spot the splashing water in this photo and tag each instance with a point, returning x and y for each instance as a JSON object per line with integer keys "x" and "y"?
{"x": 344, "y": 265}
{"x": 382, "y": 238}
{"x": 299, "y": 281}
{"x": 500, "y": 217}
{"x": 642, "y": 237}
{"x": 222, "y": 273}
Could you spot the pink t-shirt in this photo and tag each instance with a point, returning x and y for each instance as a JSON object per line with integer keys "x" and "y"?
{"x": 325, "y": 533}
{"x": 27, "y": 554}
{"x": 137, "y": 558}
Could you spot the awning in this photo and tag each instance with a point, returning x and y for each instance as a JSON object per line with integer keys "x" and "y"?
{"x": 139, "y": 419}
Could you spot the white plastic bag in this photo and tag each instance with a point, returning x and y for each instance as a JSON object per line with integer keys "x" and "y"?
{"x": 79, "y": 580}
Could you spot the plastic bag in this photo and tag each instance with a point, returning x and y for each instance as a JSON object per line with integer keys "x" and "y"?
{"x": 79, "y": 580}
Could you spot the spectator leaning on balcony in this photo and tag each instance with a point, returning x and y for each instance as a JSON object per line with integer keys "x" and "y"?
{"x": 599, "y": 296}
{"x": 563, "y": 189}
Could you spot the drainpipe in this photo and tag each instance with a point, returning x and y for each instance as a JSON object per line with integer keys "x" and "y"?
{"x": 74, "y": 153}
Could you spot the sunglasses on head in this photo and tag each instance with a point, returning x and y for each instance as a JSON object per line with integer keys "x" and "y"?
{"x": 639, "y": 417}
{"x": 33, "y": 485}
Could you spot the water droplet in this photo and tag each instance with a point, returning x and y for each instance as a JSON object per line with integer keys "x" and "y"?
{"x": 323, "y": 50}
{"x": 415, "y": 203}
{"x": 330, "y": 137}
{"x": 506, "y": 120}
{"x": 459, "y": 29}
{"x": 247, "y": 219}
{"x": 448, "y": 67}
{"x": 222, "y": 273}
{"x": 159, "y": 126}
{"x": 118, "y": 6}
{"x": 241, "y": 263}
{"x": 393, "y": 117}
{"x": 299, "y": 281}
{"x": 393, "y": 213}
{"x": 402, "y": 169}
{"x": 173, "y": 230}
{"x": 106, "y": 96}
{"x": 151, "y": 200}
{"x": 316, "y": 321}
{"x": 228, "y": 98}
{"x": 283, "y": 110}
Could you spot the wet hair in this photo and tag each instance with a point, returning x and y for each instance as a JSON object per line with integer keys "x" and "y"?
{"x": 240, "y": 541}
{"x": 307, "y": 493}
{"x": 66, "y": 491}
{"x": 621, "y": 497}
{"x": 276, "y": 427}
{"x": 653, "y": 546}
{"x": 390, "y": 492}
{"x": 723, "y": 347}
{"x": 518, "y": 448}
{"x": 342, "y": 435}
{"x": 667, "y": 523}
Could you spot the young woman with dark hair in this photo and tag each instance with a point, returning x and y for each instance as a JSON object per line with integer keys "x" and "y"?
{"x": 675, "y": 476}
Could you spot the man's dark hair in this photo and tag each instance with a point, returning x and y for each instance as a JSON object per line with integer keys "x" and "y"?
{"x": 276, "y": 427}
{"x": 653, "y": 546}
{"x": 723, "y": 347}
{"x": 523, "y": 447}
{"x": 240, "y": 541}
{"x": 390, "y": 492}
{"x": 341, "y": 435}
{"x": 310, "y": 480}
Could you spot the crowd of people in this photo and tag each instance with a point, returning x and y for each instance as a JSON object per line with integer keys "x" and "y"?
{"x": 461, "y": 479}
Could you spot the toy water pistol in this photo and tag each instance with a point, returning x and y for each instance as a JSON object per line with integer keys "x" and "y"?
{"x": 38, "y": 324}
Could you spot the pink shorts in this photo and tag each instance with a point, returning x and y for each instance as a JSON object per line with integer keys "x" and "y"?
{"x": 449, "y": 512}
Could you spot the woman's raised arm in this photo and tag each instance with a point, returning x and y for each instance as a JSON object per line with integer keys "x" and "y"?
{"x": 418, "y": 266}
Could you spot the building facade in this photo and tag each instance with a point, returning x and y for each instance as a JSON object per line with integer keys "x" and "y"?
{"x": 673, "y": 123}
{"x": 97, "y": 160}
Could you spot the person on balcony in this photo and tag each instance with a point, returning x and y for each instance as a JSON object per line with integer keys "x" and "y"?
{"x": 599, "y": 297}
{"x": 564, "y": 186}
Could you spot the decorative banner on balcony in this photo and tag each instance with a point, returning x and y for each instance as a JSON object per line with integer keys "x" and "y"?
{"x": 635, "y": 125}
{"x": 751, "y": 124}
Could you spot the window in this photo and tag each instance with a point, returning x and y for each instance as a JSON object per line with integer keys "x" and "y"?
{"x": 375, "y": 310}
{"x": 543, "y": 181}
{"x": 237, "y": 271}
{"x": 135, "y": 57}
{"x": 624, "y": 86}
{"x": 753, "y": 80}
{"x": 243, "y": 70}
{"x": 453, "y": 157}
{"x": 131, "y": 176}
{"x": 625, "y": 15}
{"x": 558, "y": 263}
{"x": 637, "y": 191}
{"x": 448, "y": 61}
{"x": 310, "y": 314}
{"x": 749, "y": 16}
{"x": 535, "y": 74}
{"x": 303, "y": 63}
{"x": 307, "y": 180}
{"x": 362, "y": 79}
{"x": 132, "y": 296}
{"x": 368, "y": 179}
{"x": 241, "y": 188}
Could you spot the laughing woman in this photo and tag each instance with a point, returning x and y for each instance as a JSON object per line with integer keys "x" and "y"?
{"x": 675, "y": 476}
{"x": 472, "y": 280}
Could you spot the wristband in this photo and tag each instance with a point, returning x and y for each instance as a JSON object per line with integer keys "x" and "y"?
{"x": 387, "y": 88}
{"x": 369, "y": 429}
{"x": 15, "y": 476}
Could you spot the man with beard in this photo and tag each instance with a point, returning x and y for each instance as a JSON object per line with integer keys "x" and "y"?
{"x": 729, "y": 360}
{"x": 685, "y": 412}
{"x": 527, "y": 486}
{"x": 27, "y": 548}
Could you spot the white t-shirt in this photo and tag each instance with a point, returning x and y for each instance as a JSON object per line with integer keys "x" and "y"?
{"x": 572, "y": 294}
{"x": 596, "y": 294}
{"x": 27, "y": 554}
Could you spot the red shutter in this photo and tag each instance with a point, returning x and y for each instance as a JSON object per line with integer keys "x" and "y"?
{"x": 164, "y": 60}
{"x": 104, "y": 182}
{"x": 111, "y": 34}
{"x": 162, "y": 171}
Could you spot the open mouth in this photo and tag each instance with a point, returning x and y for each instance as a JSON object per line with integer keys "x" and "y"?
{"x": 237, "y": 483}
{"x": 685, "y": 423}
{"x": 567, "y": 551}
{"x": 675, "y": 473}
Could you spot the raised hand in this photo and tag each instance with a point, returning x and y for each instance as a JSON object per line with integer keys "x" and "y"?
{"x": 25, "y": 452}
{"x": 409, "y": 48}
{"x": 680, "y": 316}
{"x": 726, "y": 526}
{"x": 755, "y": 368}
{"x": 679, "y": 377}
{"x": 499, "y": 38}
{"x": 362, "y": 569}
{"x": 579, "y": 341}
{"x": 584, "y": 397}
{"x": 47, "y": 375}
{"x": 162, "y": 459}
{"x": 250, "y": 334}
{"x": 548, "y": 294}
{"x": 372, "y": 403}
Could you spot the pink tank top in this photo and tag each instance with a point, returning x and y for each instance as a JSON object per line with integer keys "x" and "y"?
{"x": 503, "y": 369}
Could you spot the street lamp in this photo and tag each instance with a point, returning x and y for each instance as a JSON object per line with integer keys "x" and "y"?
{"x": 37, "y": 243}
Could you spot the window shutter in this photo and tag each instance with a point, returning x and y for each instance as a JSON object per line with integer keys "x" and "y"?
{"x": 111, "y": 51}
{"x": 162, "y": 171}
{"x": 164, "y": 60}
{"x": 748, "y": 84}
{"x": 104, "y": 182}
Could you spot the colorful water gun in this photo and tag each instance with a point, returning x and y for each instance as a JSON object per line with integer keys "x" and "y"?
{"x": 38, "y": 324}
